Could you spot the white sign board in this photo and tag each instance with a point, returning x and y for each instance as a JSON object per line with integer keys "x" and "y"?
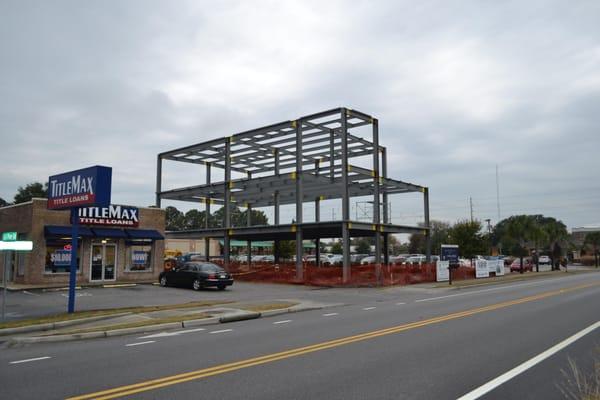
{"x": 496, "y": 266}
{"x": 481, "y": 269}
{"x": 442, "y": 273}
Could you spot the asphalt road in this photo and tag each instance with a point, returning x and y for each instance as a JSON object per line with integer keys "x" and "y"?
{"x": 392, "y": 343}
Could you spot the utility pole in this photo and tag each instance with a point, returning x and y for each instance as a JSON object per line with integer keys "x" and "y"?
{"x": 471, "y": 207}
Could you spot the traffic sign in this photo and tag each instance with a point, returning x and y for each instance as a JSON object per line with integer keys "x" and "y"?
{"x": 9, "y": 236}
{"x": 19, "y": 245}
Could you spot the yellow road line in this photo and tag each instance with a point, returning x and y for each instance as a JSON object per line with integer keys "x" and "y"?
{"x": 224, "y": 368}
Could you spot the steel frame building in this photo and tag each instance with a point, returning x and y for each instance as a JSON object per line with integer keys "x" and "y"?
{"x": 293, "y": 162}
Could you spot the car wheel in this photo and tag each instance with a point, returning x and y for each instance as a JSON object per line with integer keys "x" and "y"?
{"x": 221, "y": 287}
{"x": 197, "y": 285}
{"x": 163, "y": 281}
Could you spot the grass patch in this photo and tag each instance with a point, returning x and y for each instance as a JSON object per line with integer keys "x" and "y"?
{"x": 266, "y": 306}
{"x": 107, "y": 312}
{"x": 154, "y": 321}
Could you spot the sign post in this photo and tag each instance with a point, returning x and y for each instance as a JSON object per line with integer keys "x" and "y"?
{"x": 449, "y": 252}
{"x": 9, "y": 243}
{"x": 71, "y": 190}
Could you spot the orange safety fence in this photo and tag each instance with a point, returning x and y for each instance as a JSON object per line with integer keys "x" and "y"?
{"x": 360, "y": 275}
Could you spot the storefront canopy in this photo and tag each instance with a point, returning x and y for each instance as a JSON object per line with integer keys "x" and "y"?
{"x": 109, "y": 233}
{"x": 61, "y": 231}
{"x": 144, "y": 234}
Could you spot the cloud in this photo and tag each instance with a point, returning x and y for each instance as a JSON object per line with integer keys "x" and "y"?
{"x": 458, "y": 88}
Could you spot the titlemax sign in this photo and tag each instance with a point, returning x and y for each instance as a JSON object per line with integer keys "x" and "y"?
{"x": 84, "y": 187}
{"x": 112, "y": 215}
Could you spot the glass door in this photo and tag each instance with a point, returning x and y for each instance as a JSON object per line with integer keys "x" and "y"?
{"x": 104, "y": 262}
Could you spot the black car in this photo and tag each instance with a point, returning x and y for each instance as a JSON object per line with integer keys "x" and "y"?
{"x": 197, "y": 275}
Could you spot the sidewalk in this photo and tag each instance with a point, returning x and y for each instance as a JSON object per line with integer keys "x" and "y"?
{"x": 16, "y": 287}
{"x": 510, "y": 277}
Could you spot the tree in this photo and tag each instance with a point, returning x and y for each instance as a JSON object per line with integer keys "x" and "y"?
{"x": 439, "y": 236}
{"x": 174, "y": 219}
{"x": 538, "y": 236}
{"x": 556, "y": 232}
{"x": 31, "y": 190}
{"x": 593, "y": 239}
{"x": 336, "y": 247}
{"x": 287, "y": 248}
{"x": 395, "y": 246}
{"x": 363, "y": 246}
{"x": 518, "y": 229}
{"x": 3, "y": 203}
{"x": 467, "y": 235}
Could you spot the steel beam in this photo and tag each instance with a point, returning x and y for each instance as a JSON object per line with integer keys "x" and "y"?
{"x": 345, "y": 200}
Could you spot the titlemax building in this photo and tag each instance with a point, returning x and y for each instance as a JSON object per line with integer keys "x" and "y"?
{"x": 118, "y": 243}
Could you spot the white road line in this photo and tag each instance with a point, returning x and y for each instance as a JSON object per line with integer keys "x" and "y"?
{"x": 400, "y": 304}
{"x": 491, "y": 385}
{"x": 222, "y": 331}
{"x": 369, "y": 308}
{"x": 167, "y": 334}
{"x": 282, "y": 322}
{"x": 31, "y": 294}
{"x": 29, "y": 360}
{"x": 140, "y": 343}
{"x": 478, "y": 291}
{"x": 331, "y": 314}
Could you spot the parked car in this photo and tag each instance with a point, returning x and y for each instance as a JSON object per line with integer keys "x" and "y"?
{"x": 516, "y": 265}
{"x": 197, "y": 275}
{"x": 367, "y": 260}
{"x": 415, "y": 259}
{"x": 463, "y": 262}
{"x": 356, "y": 258}
{"x": 334, "y": 259}
{"x": 187, "y": 257}
{"x": 544, "y": 260}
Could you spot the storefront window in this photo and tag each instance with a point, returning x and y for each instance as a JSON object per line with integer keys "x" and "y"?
{"x": 58, "y": 256}
{"x": 139, "y": 255}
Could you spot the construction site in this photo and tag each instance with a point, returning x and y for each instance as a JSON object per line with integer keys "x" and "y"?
{"x": 306, "y": 160}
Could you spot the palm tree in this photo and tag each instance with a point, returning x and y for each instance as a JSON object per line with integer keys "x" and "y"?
{"x": 519, "y": 228}
{"x": 556, "y": 231}
{"x": 538, "y": 236}
{"x": 593, "y": 239}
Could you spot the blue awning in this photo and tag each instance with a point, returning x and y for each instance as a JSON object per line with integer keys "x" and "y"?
{"x": 62, "y": 231}
{"x": 109, "y": 233}
{"x": 144, "y": 234}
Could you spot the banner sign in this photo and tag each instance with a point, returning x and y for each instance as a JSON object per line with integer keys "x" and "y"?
{"x": 84, "y": 187}
{"x": 496, "y": 266}
{"x": 442, "y": 271}
{"x": 481, "y": 269}
{"x": 61, "y": 258}
{"x": 449, "y": 252}
{"x": 139, "y": 257}
{"x": 111, "y": 215}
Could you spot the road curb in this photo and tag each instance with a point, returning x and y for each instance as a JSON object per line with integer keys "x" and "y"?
{"x": 239, "y": 317}
{"x": 55, "y": 325}
{"x": 199, "y": 322}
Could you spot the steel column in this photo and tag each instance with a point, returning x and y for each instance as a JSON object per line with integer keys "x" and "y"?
{"x": 207, "y": 215}
{"x": 276, "y": 207}
{"x": 345, "y": 198}
{"x": 331, "y": 155}
{"x": 427, "y": 225}
{"x": 299, "y": 196}
{"x": 158, "y": 180}
{"x": 386, "y": 248}
{"x": 227, "y": 205}
{"x": 376, "y": 196}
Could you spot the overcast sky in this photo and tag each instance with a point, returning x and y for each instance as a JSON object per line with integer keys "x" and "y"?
{"x": 458, "y": 86}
